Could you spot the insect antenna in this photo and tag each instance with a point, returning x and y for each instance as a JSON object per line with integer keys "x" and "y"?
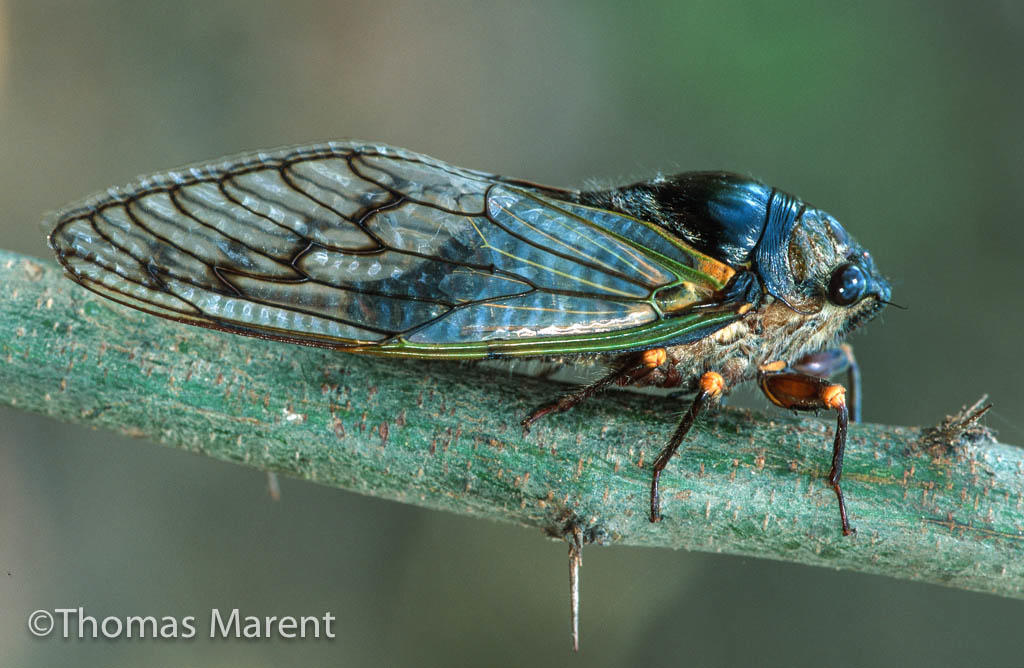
{"x": 889, "y": 303}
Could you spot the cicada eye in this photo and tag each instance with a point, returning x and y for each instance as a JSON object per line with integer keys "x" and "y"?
{"x": 847, "y": 284}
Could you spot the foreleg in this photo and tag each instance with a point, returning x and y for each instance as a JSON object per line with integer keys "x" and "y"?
{"x": 803, "y": 392}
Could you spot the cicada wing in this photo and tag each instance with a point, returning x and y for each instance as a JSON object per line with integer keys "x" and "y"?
{"x": 379, "y": 250}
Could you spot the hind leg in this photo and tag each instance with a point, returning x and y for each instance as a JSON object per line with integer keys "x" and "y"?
{"x": 649, "y": 365}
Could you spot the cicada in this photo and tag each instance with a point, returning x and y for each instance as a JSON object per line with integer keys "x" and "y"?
{"x": 699, "y": 281}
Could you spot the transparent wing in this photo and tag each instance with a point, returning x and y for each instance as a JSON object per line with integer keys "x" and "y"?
{"x": 380, "y": 250}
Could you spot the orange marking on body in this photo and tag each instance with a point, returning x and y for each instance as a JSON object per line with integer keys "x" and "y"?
{"x": 655, "y": 357}
{"x": 834, "y": 396}
{"x": 712, "y": 383}
{"x": 773, "y": 366}
{"x": 744, "y": 309}
{"x": 715, "y": 269}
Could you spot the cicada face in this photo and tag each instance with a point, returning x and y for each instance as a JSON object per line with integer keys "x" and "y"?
{"x": 833, "y": 275}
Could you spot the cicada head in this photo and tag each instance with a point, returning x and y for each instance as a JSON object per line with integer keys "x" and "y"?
{"x": 834, "y": 275}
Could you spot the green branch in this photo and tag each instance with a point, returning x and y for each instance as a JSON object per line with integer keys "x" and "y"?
{"x": 446, "y": 436}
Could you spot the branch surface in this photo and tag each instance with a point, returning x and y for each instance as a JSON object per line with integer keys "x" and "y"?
{"x": 446, "y": 436}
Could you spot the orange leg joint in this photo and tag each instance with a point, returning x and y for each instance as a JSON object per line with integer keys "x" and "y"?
{"x": 710, "y": 388}
{"x": 654, "y": 357}
{"x": 712, "y": 383}
{"x": 834, "y": 396}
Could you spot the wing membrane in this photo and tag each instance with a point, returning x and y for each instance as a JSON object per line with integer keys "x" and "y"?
{"x": 378, "y": 250}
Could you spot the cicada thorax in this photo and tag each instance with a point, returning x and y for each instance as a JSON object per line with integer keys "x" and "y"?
{"x": 735, "y": 220}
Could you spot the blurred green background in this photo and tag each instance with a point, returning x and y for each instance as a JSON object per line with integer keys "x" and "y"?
{"x": 902, "y": 119}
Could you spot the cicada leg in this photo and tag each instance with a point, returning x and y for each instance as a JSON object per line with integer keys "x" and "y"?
{"x": 636, "y": 368}
{"x": 794, "y": 390}
{"x": 829, "y": 363}
{"x": 710, "y": 388}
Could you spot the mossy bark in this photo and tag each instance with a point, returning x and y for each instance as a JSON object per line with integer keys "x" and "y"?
{"x": 446, "y": 436}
